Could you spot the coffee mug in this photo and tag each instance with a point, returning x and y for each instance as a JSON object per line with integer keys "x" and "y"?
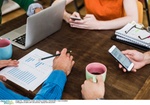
{"x": 5, "y": 49}
{"x": 94, "y": 69}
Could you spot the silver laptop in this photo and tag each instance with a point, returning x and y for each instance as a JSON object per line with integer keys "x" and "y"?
{"x": 38, "y": 26}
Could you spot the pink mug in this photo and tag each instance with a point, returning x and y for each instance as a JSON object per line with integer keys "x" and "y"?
{"x": 94, "y": 69}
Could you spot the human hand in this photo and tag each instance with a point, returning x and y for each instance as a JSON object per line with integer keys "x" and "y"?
{"x": 136, "y": 57}
{"x": 66, "y": 16}
{"x": 4, "y": 63}
{"x": 37, "y": 10}
{"x": 63, "y": 62}
{"x": 88, "y": 22}
{"x": 3, "y": 78}
{"x": 91, "y": 90}
{"x": 76, "y": 16}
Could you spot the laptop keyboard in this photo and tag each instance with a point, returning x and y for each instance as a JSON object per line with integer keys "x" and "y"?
{"x": 20, "y": 40}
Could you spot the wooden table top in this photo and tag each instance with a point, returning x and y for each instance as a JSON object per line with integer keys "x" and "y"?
{"x": 87, "y": 46}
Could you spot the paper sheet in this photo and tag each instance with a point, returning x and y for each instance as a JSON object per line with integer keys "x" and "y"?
{"x": 31, "y": 71}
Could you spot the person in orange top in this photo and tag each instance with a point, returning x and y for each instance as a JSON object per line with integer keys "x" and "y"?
{"x": 104, "y": 14}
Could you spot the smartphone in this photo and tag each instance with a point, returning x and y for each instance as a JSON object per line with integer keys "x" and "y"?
{"x": 75, "y": 18}
{"x": 121, "y": 58}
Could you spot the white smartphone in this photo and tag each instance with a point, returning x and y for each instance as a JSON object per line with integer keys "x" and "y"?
{"x": 121, "y": 58}
{"x": 74, "y": 18}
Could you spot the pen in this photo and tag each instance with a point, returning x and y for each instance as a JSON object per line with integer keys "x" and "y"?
{"x": 54, "y": 55}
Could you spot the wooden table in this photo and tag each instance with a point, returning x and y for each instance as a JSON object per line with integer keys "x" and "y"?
{"x": 87, "y": 46}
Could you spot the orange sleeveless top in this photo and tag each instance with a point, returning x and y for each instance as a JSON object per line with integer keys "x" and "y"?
{"x": 105, "y": 9}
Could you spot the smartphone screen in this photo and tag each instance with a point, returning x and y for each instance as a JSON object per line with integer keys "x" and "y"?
{"x": 121, "y": 58}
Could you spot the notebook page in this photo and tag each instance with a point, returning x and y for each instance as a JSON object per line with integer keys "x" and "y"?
{"x": 134, "y": 33}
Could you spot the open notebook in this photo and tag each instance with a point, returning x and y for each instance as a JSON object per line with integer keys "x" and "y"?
{"x": 31, "y": 72}
{"x": 132, "y": 34}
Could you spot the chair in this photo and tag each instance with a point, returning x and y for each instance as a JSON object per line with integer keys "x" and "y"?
{"x": 140, "y": 12}
{"x": 145, "y": 3}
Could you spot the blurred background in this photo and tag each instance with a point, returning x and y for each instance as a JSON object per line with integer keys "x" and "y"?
{"x": 11, "y": 10}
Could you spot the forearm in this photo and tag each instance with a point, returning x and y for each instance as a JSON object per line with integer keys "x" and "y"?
{"x": 66, "y": 14}
{"x": 115, "y": 23}
{"x": 130, "y": 8}
{"x": 53, "y": 87}
{"x": 147, "y": 57}
{"x": 68, "y": 1}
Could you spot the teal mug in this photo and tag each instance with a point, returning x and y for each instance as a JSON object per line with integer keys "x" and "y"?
{"x": 94, "y": 69}
{"x": 5, "y": 49}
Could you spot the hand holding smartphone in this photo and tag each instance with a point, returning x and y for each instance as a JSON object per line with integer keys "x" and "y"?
{"x": 75, "y": 18}
{"x": 121, "y": 58}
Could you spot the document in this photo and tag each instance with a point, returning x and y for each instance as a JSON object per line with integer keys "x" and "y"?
{"x": 32, "y": 71}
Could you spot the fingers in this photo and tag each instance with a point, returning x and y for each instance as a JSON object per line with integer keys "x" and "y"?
{"x": 134, "y": 70}
{"x": 57, "y": 52}
{"x": 75, "y": 17}
{"x": 37, "y": 10}
{"x": 64, "y": 51}
{"x": 86, "y": 82}
{"x": 4, "y": 63}
{"x": 80, "y": 24}
{"x": 77, "y": 22}
{"x": 71, "y": 58}
{"x": 99, "y": 78}
{"x": 121, "y": 67}
{"x": 76, "y": 14}
{"x": 13, "y": 63}
{"x": 124, "y": 70}
{"x": 3, "y": 78}
{"x": 68, "y": 54}
{"x": 129, "y": 52}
